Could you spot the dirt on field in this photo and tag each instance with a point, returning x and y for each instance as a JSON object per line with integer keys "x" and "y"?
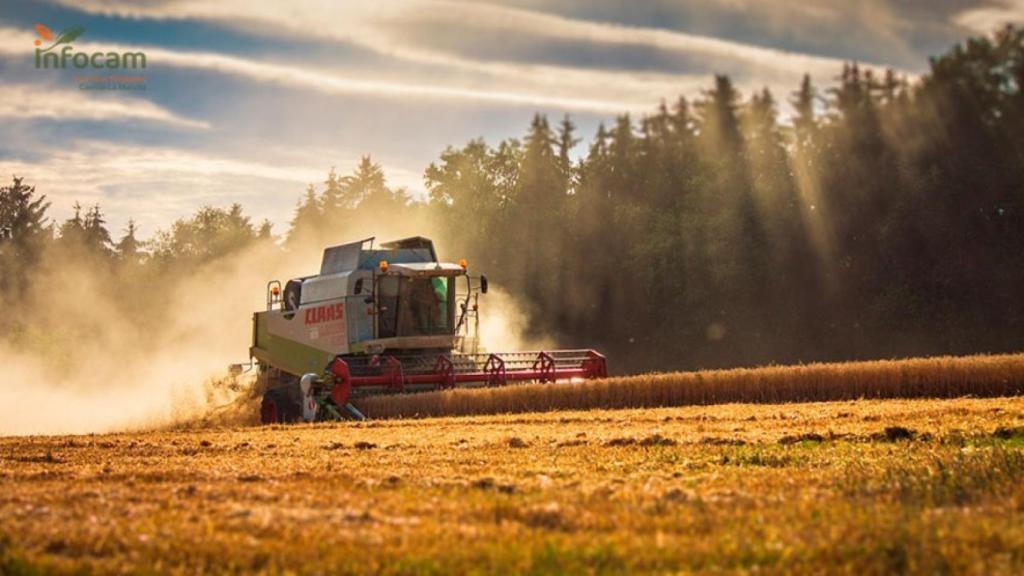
{"x": 869, "y": 486}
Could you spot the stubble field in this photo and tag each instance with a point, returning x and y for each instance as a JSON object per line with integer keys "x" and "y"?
{"x": 863, "y": 486}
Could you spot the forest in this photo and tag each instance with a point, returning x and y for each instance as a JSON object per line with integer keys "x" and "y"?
{"x": 874, "y": 217}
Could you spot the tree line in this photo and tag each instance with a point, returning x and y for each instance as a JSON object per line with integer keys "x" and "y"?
{"x": 879, "y": 218}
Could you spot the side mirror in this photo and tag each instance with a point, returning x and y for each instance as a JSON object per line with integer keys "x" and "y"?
{"x": 483, "y": 284}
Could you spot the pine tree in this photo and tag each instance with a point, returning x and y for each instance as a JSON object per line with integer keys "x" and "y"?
{"x": 805, "y": 122}
{"x": 566, "y": 142}
{"x": 333, "y": 201}
{"x": 367, "y": 180}
{"x": 128, "y": 248}
{"x": 97, "y": 237}
{"x": 265, "y": 231}
{"x": 308, "y": 220}
{"x": 367, "y": 190}
{"x": 72, "y": 235}
{"x": 24, "y": 234}
{"x": 681, "y": 122}
{"x": 22, "y": 218}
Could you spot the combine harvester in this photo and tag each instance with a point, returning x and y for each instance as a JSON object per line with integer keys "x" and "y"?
{"x": 384, "y": 321}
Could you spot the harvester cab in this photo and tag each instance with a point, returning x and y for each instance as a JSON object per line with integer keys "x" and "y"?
{"x": 384, "y": 320}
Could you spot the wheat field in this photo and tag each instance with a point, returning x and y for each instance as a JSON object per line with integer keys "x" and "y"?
{"x": 909, "y": 466}
{"x": 939, "y": 377}
{"x": 855, "y": 487}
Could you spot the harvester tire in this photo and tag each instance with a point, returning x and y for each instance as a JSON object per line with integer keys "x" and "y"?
{"x": 279, "y": 408}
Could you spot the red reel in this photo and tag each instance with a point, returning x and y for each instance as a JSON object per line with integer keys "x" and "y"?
{"x": 342, "y": 388}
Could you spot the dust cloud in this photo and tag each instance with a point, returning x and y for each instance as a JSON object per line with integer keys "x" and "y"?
{"x": 503, "y": 325}
{"x": 103, "y": 355}
{"x": 118, "y": 352}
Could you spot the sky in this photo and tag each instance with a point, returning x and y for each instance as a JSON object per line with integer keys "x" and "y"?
{"x": 251, "y": 101}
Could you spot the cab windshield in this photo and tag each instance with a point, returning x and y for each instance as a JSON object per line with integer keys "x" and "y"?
{"x": 416, "y": 306}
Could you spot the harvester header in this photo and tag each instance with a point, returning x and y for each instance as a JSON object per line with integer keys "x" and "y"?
{"x": 385, "y": 320}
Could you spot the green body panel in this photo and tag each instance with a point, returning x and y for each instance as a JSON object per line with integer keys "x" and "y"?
{"x": 285, "y": 354}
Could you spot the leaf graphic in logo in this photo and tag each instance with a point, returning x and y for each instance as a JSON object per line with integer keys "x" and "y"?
{"x": 68, "y": 36}
{"x": 44, "y": 32}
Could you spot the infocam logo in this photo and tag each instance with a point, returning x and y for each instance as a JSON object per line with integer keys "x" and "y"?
{"x": 66, "y": 56}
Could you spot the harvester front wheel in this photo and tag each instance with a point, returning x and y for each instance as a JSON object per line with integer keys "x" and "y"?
{"x": 278, "y": 407}
{"x": 268, "y": 412}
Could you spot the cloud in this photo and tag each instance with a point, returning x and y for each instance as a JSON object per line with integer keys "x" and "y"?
{"x": 726, "y": 54}
{"x": 553, "y": 87}
{"x": 988, "y": 18}
{"x": 156, "y": 185}
{"x": 411, "y": 31}
{"x": 379, "y": 25}
{"x": 23, "y": 101}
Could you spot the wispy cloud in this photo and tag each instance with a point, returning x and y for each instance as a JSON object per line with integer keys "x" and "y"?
{"x": 881, "y": 31}
{"x": 24, "y": 101}
{"x": 402, "y": 30}
{"x": 154, "y": 185}
{"x": 724, "y": 54}
{"x": 553, "y": 87}
{"x": 380, "y": 26}
{"x": 984, "y": 19}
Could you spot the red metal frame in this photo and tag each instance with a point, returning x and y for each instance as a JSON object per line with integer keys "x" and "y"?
{"x": 596, "y": 366}
{"x": 391, "y": 376}
{"x": 445, "y": 371}
{"x": 544, "y": 367}
{"x": 393, "y": 370}
{"x": 494, "y": 368}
